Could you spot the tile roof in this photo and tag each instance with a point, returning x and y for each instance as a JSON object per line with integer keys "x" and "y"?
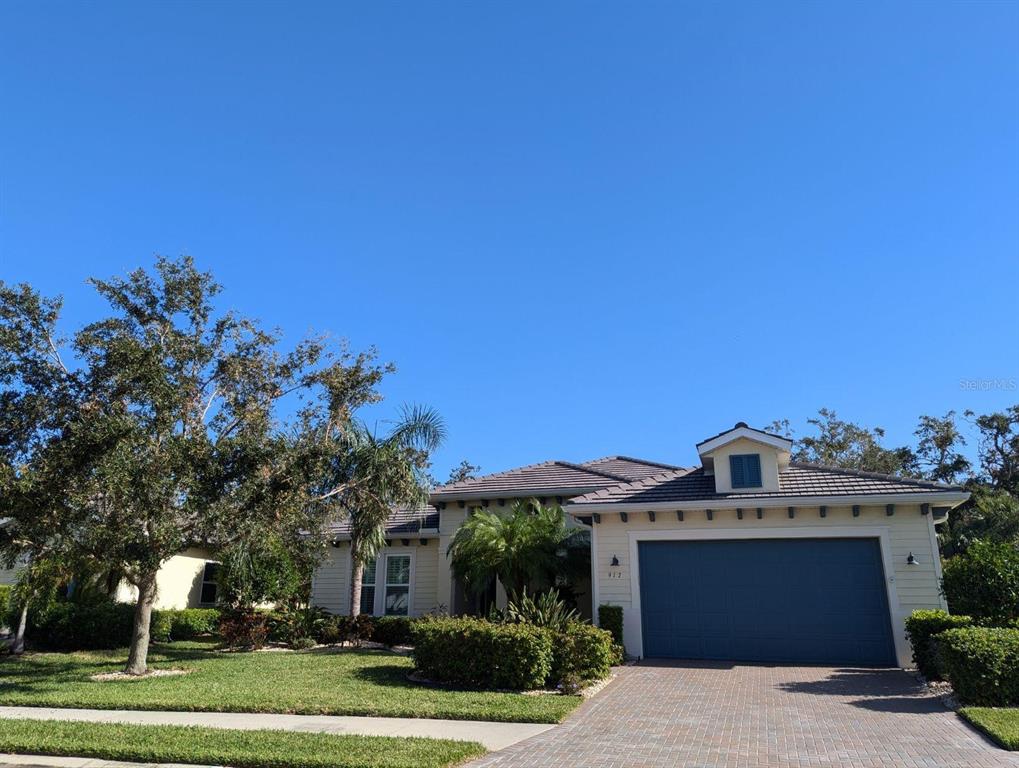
{"x": 549, "y": 477}
{"x": 741, "y": 425}
{"x": 402, "y": 520}
{"x": 807, "y": 480}
{"x": 629, "y": 467}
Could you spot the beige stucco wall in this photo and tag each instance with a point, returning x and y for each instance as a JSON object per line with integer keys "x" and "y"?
{"x": 178, "y": 583}
{"x": 907, "y": 530}
{"x": 330, "y": 584}
{"x": 769, "y": 464}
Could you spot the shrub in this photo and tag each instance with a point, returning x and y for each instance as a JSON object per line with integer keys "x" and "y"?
{"x": 479, "y": 654}
{"x": 982, "y": 664}
{"x": 547, "y": 610}
{"x": 244, "y": 628}
{"x": 580, "y": 653}
{"x": 922, "y": 627}
{"x": 70, "y": 626}
{"x": 295, "y": 627}
{"x": 984, "y": 583}
{"x": 610, "y": 617}
{"x": 392, "y": 630}
{"x": 5, "y": 603}
{"x": 187, "y": 623}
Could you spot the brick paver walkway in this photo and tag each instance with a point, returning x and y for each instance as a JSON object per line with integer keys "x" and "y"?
{"x": 714, "y": 715}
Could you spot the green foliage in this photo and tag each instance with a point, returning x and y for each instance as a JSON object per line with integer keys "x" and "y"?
{"x": 260, "y": 570}
{"x": 168, "y": 427}
{"x": 297, "y": 626}
{"x": 937, "y": 451}
{"x": 547, "y": 611}
{"x": 844, "y": 444}
{"x": 188, "y": 623}
{"x": 982, "y": 664}
{"x": 999, "y": 448}
{"x": 610, "y": 617}
{"x": 393, "y": 630}
{"x": 5, "y": 604}
{"x": 479, "y": 654}
{"x": 1002, "y": 725}
{"x": 70, "y": 625}
{"x": 220, "y": 746}
{"x": 989, "y": 515}
{"x": 244, "y": 628}
{"x": 375, "y": 473}
{"x": 519, "y": 545}
{"x": 922, "y": 627}
{"x": 984, "y": 582}
{"x": 349, "y": 682}
{"x": 580, "y": 654}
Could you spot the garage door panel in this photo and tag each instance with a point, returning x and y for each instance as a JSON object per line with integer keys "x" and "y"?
{"x": 786, "y": 600}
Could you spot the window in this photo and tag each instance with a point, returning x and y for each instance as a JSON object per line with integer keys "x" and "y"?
{"x": 208, "y": 596}
{"x": 368, "y": 588}
{"x": 397, "y": 585}
{"x": 745, "y": 470}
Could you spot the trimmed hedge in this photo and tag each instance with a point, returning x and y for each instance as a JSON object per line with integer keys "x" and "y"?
{"x": 610, "y": 617}
{"x": 475, "y": 653}
{"x": 393, "y": 630}
{"x": 187, "y": 623}
{"x": 580, "y": 654}
{"x": 922, "y": 627}
{"x": 74, "y": 626}
{"x": 982, "y": 664}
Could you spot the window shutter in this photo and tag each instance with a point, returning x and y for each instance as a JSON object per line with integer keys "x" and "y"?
{"x": 753, "y": 470}
{"x": 737, "y": 470}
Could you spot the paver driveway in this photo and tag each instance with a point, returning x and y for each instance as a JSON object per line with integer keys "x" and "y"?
{"x": 715, "y": 715}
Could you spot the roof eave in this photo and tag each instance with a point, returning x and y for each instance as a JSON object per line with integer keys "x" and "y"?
{"x": 518, "y": 494}
{"x": 949, "y": 498}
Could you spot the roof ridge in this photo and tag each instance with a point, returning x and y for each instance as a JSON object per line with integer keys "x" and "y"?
{"x": 876, "y": 475}
{"x": 471, "y": 480}
{"x": 582, "y": 468}
{"x": 645, "y": 462}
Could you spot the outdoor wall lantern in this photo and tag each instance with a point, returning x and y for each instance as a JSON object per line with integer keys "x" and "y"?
{"x": 615, "y": 562}
{"x": 912, "y": 560}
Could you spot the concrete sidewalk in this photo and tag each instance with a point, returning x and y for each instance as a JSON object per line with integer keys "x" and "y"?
{"x": 492, "y": 735}
{"x": 53, "y": 761}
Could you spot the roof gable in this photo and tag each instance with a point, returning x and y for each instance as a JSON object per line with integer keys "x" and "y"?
{"x": 742, "y": 432}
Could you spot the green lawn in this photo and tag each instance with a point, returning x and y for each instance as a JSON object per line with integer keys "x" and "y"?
{"x": 354, "y": 682}
{"x": 1002, "y": 724}
{"x": 215, "y": 746}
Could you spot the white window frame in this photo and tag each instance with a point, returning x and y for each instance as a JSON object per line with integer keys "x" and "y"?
{"x": 214, "y": 582}
{"x": 379, "y": 604}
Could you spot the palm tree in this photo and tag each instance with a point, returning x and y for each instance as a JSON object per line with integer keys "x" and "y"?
{"x": 517, "y": 546}
{"x": 383, "y": 472}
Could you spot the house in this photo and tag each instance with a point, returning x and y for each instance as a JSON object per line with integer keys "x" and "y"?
{"x": 747, "y": 556}
{"x": 187, "y": 580}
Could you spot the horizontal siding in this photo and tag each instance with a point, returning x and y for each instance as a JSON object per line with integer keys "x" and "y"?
{"x": 330, "y": 587}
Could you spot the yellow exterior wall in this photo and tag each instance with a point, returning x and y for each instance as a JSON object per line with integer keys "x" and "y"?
{"x": 178, "y": 583}
{"x": 916, "y": 586}
{"x": 330, "y": 585}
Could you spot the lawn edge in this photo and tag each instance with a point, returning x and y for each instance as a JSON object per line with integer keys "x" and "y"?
{"x": 964, "y": 713}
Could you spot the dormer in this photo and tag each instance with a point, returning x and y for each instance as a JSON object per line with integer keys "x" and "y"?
{"x": 745, "y": 460}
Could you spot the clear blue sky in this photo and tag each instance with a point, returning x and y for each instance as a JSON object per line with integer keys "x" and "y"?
{"x": 577, "y": 228}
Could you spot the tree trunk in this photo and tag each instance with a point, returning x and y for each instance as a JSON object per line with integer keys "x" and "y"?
{"x": 356, "y": 577}
{"x": 137, "y": 659}
{"x": 19, "y": 638}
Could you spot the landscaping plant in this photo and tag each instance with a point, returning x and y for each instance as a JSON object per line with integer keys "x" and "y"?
{"x": 983, "y": 582}
{"x": 922, "y": 628}
{"x": 982, "y": 664}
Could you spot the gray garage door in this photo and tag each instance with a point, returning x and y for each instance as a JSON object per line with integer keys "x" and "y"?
{"x": 819, "y": 601}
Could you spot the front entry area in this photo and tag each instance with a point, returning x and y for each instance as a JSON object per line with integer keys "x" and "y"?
{"x": 805, "y": 600}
